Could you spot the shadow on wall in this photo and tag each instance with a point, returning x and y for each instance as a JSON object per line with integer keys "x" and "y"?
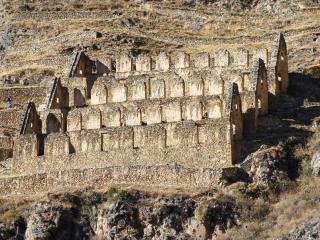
{"x": 100, "y": 69}
{"x": 65, "y": 99}
{"x": 52, "y": 123}
{"x": 79, "y": 98}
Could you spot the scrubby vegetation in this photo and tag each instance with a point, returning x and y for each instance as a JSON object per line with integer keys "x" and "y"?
{"x": 286, "y": 207}
{"x": 117, "y": 194}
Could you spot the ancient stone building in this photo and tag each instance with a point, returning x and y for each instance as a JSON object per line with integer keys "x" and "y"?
{"x": 181, "y": 109}
{"x": 137, "y": 129}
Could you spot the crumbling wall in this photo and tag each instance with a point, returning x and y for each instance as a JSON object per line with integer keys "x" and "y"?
{"x": 171, "y": 85}
{"x": 167, "y": 85}
{"x": 164, "y": 62}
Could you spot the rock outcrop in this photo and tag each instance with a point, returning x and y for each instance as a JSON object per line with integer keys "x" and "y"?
{"x": 119, "y": 214}
{"x": 308, "y": 231}
{"x": 268, "y": 165}
{"x": 315, "y": 162}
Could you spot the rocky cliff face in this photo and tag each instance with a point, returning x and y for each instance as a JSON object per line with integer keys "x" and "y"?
{"x": 118, "y": 214}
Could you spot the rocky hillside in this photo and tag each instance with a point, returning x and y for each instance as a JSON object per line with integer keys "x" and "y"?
{"x": 38, "y": 38}
{"x": 273, "y": 208}
{"x": 279, "y": 198}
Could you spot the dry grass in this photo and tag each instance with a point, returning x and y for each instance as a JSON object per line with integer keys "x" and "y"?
{"x": 158, "y": 23}
{"x": 277, "y": 217}
{"x": 293, "y": 209}
{"x": 12, "y": 208}
{"x": 304, "y": 152}
{"x": 9, "y": 216}
{"x": 59, "y": 5}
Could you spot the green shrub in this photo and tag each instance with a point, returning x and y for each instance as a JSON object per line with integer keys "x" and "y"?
{"x": 279, "y": 186}
{"x": 133, "y": 232}
{"x": 115, "y": 193}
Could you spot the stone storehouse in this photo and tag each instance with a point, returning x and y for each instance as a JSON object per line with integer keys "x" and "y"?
{"x": 191, "y": 111}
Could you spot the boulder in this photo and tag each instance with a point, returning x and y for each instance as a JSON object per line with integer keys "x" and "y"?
{"x": 315, "y": 163}
{"x": 267, "y": 165}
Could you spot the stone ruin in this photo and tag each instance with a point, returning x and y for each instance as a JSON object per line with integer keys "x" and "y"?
{"x": 192, "y": 111}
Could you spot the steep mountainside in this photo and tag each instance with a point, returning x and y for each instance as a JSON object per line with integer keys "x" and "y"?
{"x": 280, "y": 198}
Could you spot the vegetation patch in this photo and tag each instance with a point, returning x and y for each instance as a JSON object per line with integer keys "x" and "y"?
{"x": 9, "y": 216}
{"x": 117, "y": 194}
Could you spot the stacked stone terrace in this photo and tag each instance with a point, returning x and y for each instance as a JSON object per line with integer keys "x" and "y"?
{"x": 187, "y": 110}
{"x": 133, "y": 132}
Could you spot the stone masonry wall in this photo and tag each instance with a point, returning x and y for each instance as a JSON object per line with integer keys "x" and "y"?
{"x": 21, "y": 95}
{"x": 6, "y": 142}
{"x": 240, "y": 58}
{"x": 187, "y": 143}
{"x": 162, "y": 175}
{"x": 146, "y": 112}
{"x": 168, "y": 85}
{"x": 10, "y": 118}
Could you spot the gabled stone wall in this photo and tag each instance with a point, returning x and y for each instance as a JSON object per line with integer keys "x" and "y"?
{"x": 279, "y": 63}
{"x": 29, "y": 122}
{"x": 55, "y": 98}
